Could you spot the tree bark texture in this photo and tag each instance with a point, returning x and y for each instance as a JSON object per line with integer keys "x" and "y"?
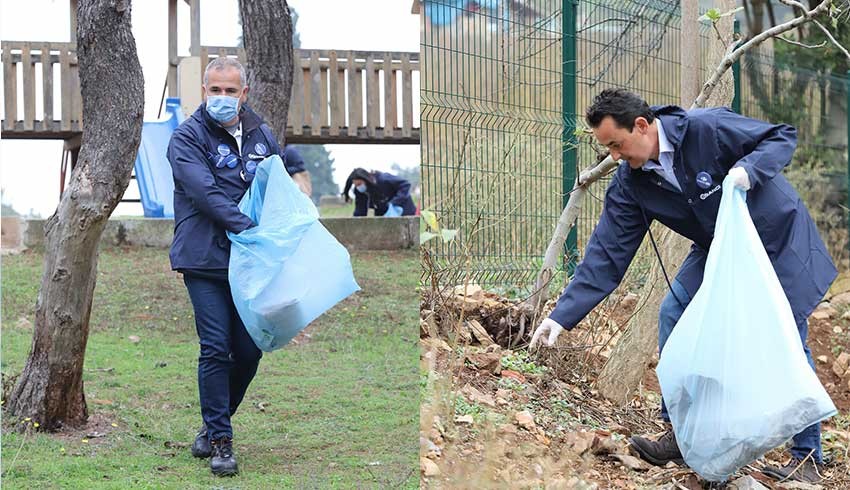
{"x": 50, "y": 388}
{"x": 267, "y": 37}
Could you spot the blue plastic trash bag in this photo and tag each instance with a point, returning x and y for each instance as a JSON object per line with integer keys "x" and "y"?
{"x": 393, "y": 210}
{"x": 733, "y": 373}
{"x": 289, "y": 269}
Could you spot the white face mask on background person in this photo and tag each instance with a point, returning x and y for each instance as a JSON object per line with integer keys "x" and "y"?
{"x": 361, "y": 188}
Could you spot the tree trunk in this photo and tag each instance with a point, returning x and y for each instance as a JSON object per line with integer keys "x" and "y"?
{"x": 631, "y": 355}
{"x": 50, "y": 389}
{"x": 267, "y": 36}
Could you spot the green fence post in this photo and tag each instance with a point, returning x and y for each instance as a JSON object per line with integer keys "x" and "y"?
{"x": 736, "y": 75}
{"x": 569, "y": 143}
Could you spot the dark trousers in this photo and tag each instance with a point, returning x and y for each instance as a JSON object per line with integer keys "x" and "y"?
{"x": 807, "y": 441}
{"x": 228, "y": 359}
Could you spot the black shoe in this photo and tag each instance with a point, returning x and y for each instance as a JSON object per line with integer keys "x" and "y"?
{"x": 659, "y": 452}
{"x": 201, "y": 446}
{"x": 223, "y": 463}
{"x": 807, "y": 472}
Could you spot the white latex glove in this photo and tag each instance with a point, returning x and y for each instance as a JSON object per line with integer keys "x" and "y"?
{"x": 548, "y": 327}
{"x": 740, "y": 177}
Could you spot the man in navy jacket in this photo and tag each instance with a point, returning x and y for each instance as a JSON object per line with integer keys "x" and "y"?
{"x": 673, "y": 162}
{"x": 213, "y": 157}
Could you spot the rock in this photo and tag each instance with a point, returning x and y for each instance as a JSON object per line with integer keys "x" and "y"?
{"x": 487, "y": 361}
{"x": 629, "y": 301}
{"x": 837, "y": 329}
{"x": 846, "y": 315}
{"x": 605, "y": 445}
{"x": 824, "y": 311}
{"x": 464, "y": 419}
{"x": 579, "y": 442}
{"x": 479, "y": 333}
{"x": 134, "y": 339}
{"x": 476, "y": 396}
{"x": 428, "y": 467}
{"x": 631, "y": 462}
{"x": 746, "y": 483}
{"x": 525, "y": 420}
{"x": 508, "y": 429}
{"x": 842, "y": 362}
{"x": 429, "y": 449}
{"x": 23, "y": 324}
{"x": 840, "y": 300}
{"x": 796, "y": 485}
{"x": 507, "y": 373}
{"x": 823, "y": 359}
{"x": 502, "y": 402}
{"x": 469, "y": 290}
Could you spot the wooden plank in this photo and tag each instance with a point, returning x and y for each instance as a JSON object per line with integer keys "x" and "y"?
{"x": 323, "y": 95}
{"x": 195, "y": 28}
{"x": 65, "y": 80}
{"x": 305, "y": 82}
{"x": 46, "y": 88}
{"x": 29, "y": 86}
{"x": 389, "y": 98}
{"x": 373, "y": 107}
{"x": 10, "y": 88}
{"x": 315, "y": 95}
{"x": 335, "y": 121}
{"x": 204, "y": 55}
{"x": 340, "y": 97}
{"x": 406, "y": 96}
{"x": 296, "y": 101}
{"x": 354, "y": 103}
{"x": 76, "y": 97}
{"x": 222, "y": 53}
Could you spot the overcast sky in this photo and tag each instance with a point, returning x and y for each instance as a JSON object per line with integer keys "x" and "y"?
{"x": 29, "y": 169}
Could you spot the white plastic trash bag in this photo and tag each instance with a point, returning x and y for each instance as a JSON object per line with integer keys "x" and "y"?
{"x": 289, "y": 269}
{"x": 733, "y": 372}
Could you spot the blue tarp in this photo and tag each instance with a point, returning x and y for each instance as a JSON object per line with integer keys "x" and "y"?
{"x": 153, "y": 172}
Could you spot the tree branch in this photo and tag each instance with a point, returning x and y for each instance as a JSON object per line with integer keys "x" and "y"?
{"x": 802, "y": 45}
{"x": 831, "y": 38}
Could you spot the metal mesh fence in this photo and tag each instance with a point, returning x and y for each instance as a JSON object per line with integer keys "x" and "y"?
{"x": 504, "y": 87}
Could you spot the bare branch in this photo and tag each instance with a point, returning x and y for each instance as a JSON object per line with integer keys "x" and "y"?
{"x": 831, "y": 38}
{"x": 735, "y": 52}
{"x": 802, "y": 45}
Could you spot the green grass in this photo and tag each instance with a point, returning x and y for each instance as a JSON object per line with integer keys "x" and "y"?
{"x": 343, "y": 211}
{"x": 341, "y": 409}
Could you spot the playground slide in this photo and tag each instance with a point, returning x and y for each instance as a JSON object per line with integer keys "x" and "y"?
{"x": 153, "y": 172}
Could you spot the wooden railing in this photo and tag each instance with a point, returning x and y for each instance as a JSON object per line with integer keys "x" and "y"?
{"x": 34, "y": 115}
{"x": 337, "y": 96}
{"x": 347, "y": 95}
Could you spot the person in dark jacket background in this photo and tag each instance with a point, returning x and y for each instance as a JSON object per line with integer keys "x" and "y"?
{"x": 673, "y": 163}
{"x": 213, "y": 155}
{"x": 387, "y": 194}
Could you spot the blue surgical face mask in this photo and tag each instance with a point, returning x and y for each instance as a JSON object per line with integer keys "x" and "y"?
{"x": 361, "y": 188}
{"x": 222, "y": 108}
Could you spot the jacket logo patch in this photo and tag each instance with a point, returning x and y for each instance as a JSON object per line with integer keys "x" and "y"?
{"x": 705, "y": 195}
{"x": 704, "y": 180}
{"x": 260, "y": 149}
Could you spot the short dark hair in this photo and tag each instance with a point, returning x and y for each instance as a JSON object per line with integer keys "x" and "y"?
{"x": 623, "y": 106}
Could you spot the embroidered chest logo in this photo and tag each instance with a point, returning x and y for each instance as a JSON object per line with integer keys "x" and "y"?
{"x": 703, "y": 180}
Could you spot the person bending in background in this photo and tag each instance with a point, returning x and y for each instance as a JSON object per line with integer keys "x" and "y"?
{"x": 387, "y": 194}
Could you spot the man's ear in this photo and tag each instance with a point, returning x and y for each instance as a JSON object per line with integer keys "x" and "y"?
{"x": 244, "y": 96}
{"x": 641, "y": 124}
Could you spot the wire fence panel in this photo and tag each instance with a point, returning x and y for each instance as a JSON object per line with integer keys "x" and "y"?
{"x": 504, "y": 89}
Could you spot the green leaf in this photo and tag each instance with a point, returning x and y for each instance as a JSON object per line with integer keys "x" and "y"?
{"x": 712, "y": 15}
{"x": 448, "y": 235}
{"x": 431, "y": 219}
{"x": 425, "y": 236}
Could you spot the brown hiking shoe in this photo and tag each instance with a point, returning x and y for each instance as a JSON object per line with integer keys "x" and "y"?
{"x": 806, "y": 471}
{"x": 659, "y": 452}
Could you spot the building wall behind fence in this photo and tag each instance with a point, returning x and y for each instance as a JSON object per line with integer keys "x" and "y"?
{"x": 500, "y": 147}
